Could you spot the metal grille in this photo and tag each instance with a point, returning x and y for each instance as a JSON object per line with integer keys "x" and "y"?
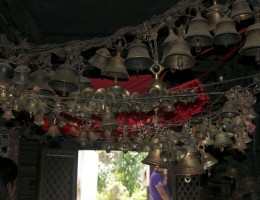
{"x": 188, "y": 190}
{"x": 58, "y": 175}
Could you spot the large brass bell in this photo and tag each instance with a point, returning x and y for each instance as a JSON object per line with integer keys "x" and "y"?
{"x": 40, "y": 78}
{"x": 116, "y": 67}
{"x": 21, "y": 74}
{"x": 226, "y": 33}
{"x": 100, "y": 59}
{"x": 198, "y": 34}
{"x": 168, "y": 42}
{"x": 191, "y": 164}
{"x": 222, "y": 139}
{"x": 252, "y": 43}
{"x": 154, "y": 158}
{"x": 138, "y": 57}
{"x": 65, "y": 79}
{"x": 179, "y": 56}
{"x": 6, "y": 71}
{"x": 241, "y": 11}
{"x": 108, "y": 120}
{"x": 214, "y": 15}
{"x": 230, "y": 109}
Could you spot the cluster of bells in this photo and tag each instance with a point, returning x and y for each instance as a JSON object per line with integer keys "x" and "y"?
{"x": 188, "y": 147}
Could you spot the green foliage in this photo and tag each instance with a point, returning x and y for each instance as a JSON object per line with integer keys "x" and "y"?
{"x": 120, "y": 173}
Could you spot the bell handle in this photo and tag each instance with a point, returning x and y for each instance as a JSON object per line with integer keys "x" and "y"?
{"x": 201, "y": 147}
{"x": 187, "y": 179}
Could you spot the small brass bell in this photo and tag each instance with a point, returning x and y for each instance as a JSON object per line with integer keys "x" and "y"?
{"x": 207, "y": 160}
{"x": 214, "y": 15}
{"x": 198, "y": 34}
{"x": 222, "y": 139}
{"x": 116, "y": 67}
{"x": 65, "y": 79}
{"x": 154, "y": 158}
{"x": 138, "y": 57}
{"x": 252, "y": 43}
{"x": 226, "y": 33}
{"x": 100, "y": 59}
{"x": 8, "y": 114}
{"x": 40, "y": 78}
{"x": 54, "y": 131}
{"x": 83, "y": 138}
{"x": 241, "y": 11}
{"x": 230, "y": 109}
{"x": 109, "y": 142}
{"x": 239, "y": 144}
{"x": 21, "y": 73}
{"x": 137, "y": 144}
{"x": 191, "y": 164}
{"x": 108, "y": 120}
{"x": 124, "y": 144}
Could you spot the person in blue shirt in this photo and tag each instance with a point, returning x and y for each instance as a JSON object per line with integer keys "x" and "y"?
{"x": 158, "y": 187}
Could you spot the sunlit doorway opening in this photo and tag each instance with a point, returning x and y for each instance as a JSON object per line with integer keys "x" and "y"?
{"x": 111, "y": 176}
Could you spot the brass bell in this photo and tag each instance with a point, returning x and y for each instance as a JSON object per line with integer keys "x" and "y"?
{"x": 65, "y": 79}
{"x": 208, "y": 141}
{"x": 239, "y": 144}
{"x": 230, "y": 109}
{"x": 241, "y": 10}
{"x": 116, "y": 67}
{"x": 54, "y": 131}
{"x": 214, "y": 15}
{"x": 191, "y": 164}
{"x": 8, "y": 114}
{"x": 21, "y": 73}
{"x": 207, "y": 160}
{"x": 124, "y": 144}
{"x": 108, "y": 120}
{"x": 137, "y": 144}
{"x": 179, "y": 56}
{"x": 198, "y": 34}
{"x": 226, "y": 33}
{"x": 6, "y": 71}
{"x": 154, "y": 158}
{"x": 138, "y": 57}
{"x": 82, "y": 138}
{"x": 222, "y": 139}
{"x": 40, "y": 78}
{"x": 168, "y": 42}
{"x": 100, "y": 59}
{"x": 109, "y": 143}
{"x": 252, "y": 43}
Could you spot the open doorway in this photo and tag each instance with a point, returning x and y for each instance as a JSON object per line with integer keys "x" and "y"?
{"x": 111, "y": 176}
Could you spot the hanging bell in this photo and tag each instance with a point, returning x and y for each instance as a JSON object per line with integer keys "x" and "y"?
{"x": 241, "y": 11}
{"x": 138, "y": 57}
{"x": 252, "y": 43}
{"x": 207, "y": 160}
{"x": 100, "y": 59}
{"x": 8, "y": 114}
{"x": 222, "y": 139}
{"x": 65, "y": 79}
{"x": 40, "y": 78}
{"x": 168, "y": 42}
{"x": 116, "y": 67}
{"x": 108, "y": 120}
{"x": 208, "y": 141}
{"x": 124, "y": 144}
{"x": 179, "y": 56}
{"x": 137, "y": 144}
{"x": 83, "y": 138}
{"x": 54, "y": 131}
{"x": 6, "y": 71}
{"x": 214, "y": 15}
{"x": 154, "y": 158}
{"x": 21, "y": 73}
{"x": 230, "y": 109}
{"x": 226, "y": 33}
{"x": 239, "y": 144}
{"x": 198, "y": 34}
{"x": 191, "y": 164}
